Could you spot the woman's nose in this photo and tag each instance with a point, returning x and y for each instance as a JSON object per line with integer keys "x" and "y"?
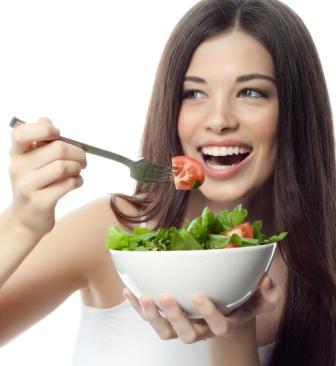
{"x": 221, "y": 118}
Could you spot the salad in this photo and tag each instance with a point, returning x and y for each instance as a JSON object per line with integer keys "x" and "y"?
{"x": 227, "y": 229}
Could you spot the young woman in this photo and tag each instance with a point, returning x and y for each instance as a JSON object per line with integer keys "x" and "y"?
{"x": 235, "y": 73}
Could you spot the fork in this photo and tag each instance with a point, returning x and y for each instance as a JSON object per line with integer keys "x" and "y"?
{"x": 141, "y": 170}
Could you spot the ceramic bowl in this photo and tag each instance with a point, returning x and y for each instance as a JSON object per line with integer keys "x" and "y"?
{"x": 227, "y": 276}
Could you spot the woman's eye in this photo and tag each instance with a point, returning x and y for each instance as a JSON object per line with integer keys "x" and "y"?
{"x": 193, "y": 94}
{"x": 252, "y": 93}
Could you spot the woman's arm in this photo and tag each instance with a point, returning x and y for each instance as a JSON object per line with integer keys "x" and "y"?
{"x": 67, "y": 259}
{"x": 16, "y": 242}
{"x": 42, "y": 170}
{"x": 36, "y": 278}
{"x": 43, "y": 262}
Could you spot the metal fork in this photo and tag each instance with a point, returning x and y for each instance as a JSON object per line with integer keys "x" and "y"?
{"x": 142, "y": 170}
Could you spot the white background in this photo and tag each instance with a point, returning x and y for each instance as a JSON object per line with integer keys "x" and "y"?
{"x": 89, "y": 65}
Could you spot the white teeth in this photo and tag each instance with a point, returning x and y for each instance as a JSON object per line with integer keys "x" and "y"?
{"x": 225, "y": 150}
{"x": 218, "y": 167}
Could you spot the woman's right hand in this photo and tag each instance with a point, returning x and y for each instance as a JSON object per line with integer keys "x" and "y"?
{"x": 42, "y": 170}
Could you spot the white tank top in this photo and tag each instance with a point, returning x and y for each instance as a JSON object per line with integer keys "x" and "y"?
{"x": 118, "y": 336}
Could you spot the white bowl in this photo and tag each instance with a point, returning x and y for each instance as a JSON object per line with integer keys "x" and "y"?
{"x": 227, "y": 276}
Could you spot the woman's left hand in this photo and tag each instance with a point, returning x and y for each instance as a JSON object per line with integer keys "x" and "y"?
{"x": 175, "y": 323}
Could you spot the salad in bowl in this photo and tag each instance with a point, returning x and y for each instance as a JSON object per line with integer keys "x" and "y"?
{"x": 222, "y": 255}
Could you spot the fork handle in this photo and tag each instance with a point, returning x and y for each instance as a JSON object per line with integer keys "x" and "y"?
{"x": 88, "y": 148}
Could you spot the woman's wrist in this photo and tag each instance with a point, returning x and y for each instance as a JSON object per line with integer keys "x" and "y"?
{"x": 239, "y": 349}
{"x": 13, "y": 228}
{"x": 16, "y": 242}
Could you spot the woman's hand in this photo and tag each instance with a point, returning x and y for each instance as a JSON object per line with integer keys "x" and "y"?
{"x": 42, "y": 170}
{"x": 175, "y": 323}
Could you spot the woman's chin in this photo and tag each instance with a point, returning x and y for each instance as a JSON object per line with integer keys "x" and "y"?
{"x": 228, "y": 198}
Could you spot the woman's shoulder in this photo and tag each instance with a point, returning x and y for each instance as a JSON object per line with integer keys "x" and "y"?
{"x": 81, "y": 235}
{"x": 98, "y": 212}
{"x": 83, "y": 232}
{"x": 87, "y": 226}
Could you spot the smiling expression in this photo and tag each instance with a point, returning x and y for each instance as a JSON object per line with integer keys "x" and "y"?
{"x": 229, "y": 115}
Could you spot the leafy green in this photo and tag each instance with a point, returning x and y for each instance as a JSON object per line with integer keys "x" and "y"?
{"x": 230, "y": 219}
{"x": 208, "y": 231}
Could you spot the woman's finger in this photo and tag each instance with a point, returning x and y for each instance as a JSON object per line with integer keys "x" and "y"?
{"x": 133, "y": 300}
{"x": 54, "y": 172}
{"x": 264, "y": 300}
{"x": 58, "y": 150}
{"x": 183, "y": 327}
{"x": 174, "y": 323}
{"x": 46, "y": 199}
{"x": 26, "y": 137}
{"x": 160, "y": 324}
{"x": 147, "y": 309}
{"x": 187, "y": 329}
{"x": 37, "y": 158}
{"x": 217, "y": 322}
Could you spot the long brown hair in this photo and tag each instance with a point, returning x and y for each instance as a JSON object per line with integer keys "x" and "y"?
{"x": 304, "y": 197}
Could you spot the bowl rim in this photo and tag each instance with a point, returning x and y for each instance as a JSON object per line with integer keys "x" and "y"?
{"x": 195, "y": 251}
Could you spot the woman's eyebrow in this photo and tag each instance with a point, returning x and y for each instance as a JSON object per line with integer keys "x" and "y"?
{"x": 249, "y": 77}
{"x": 242, "y": 78}
{"x": 195, "y": 79}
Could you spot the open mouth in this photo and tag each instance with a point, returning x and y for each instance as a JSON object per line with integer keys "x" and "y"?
{"x": 224, "y": 157}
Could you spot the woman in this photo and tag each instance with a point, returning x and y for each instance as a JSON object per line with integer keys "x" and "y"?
{"x": 233, "y": 72}
{"x": 302, "y": 187}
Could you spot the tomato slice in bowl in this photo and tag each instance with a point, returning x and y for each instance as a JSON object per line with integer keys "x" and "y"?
{"x": 189, "y": 172}
{"x": 244, "y": 230}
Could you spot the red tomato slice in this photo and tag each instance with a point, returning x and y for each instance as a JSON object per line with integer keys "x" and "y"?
{"x": 189, "y": 173}
{"x": 244, "y": 230}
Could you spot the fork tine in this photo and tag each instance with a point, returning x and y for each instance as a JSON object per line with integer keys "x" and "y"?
{"x": 171, "y": 170}
{"x": 164, "y": 173}
{"x": 163, "y": 177}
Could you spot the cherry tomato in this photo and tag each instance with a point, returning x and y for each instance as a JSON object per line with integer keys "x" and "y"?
{"x": 189, "y": 173}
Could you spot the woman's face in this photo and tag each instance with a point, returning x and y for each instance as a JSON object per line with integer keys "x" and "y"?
{"x": 229, "y": 116}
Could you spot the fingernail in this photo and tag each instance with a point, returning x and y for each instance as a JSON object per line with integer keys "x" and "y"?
{"x": 125, "y": 294}
{"x": 199, "y": 299}
{"x": 143, "y": 303}
{"x": 270, "y": 284}
{"x": 166, "y": 302}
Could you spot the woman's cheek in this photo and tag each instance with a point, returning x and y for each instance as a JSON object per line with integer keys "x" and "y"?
{"x": 185, "y": 126}
{"x": 265, "y": 126}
